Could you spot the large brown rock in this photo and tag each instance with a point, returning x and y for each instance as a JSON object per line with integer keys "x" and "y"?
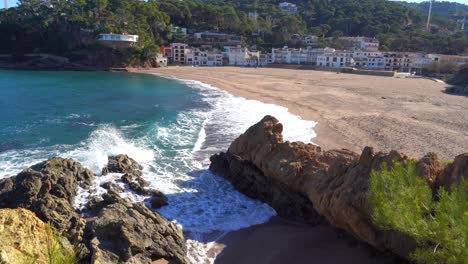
{"x": 24, "y": 237}
{"x": 122, "y": 164}
{"x": 261, "y": 165}
{"x": 49, "y": 189}
{"x": 131, "y": 233}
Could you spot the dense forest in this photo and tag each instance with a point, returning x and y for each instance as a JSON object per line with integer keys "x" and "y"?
{"x": 442, "y": 9}
{"x": 67, "y": 28}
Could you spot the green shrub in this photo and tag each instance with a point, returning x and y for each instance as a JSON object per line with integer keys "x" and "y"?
{"x": 402, "y": 201}
{"x": 58, "y": 253}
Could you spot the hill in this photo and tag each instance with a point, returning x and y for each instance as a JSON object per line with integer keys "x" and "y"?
{"x": 58, "y": 28}
{"x": 442, "y": 9}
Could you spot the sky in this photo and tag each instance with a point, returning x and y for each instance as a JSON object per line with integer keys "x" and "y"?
{"x": 13, "y": 2}
{"x": 458, "y": 1}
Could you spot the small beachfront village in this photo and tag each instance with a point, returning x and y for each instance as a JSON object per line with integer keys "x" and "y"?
{"x": 221, "y": 49}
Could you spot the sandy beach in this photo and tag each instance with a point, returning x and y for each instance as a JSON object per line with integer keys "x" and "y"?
{"x": 281, "y": 241}
{"x": 413, "y": 116}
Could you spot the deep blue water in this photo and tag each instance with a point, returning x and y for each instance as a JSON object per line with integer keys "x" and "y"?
{"x": 48, "y": 108}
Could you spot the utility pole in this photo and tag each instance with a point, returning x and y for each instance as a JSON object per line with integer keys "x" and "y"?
{"x": 6, "y": 4}
{"x": 428, "y": 26}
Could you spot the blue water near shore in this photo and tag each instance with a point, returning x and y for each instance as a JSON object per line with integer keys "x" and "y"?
{"x": 170, "y": 126}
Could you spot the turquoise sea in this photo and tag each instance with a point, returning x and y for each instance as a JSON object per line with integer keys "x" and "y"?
{"x": 170, "y": 126}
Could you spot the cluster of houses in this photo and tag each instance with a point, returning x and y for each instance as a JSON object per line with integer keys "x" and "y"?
{"x": 218, "y": 49}
{"x": 363, "y": 53}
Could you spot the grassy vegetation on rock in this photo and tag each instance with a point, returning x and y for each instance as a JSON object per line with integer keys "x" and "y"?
{"x": 404, "y": 202}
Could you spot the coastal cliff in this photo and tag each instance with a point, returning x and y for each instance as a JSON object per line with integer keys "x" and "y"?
{"x": 302, "y": 181}
{"x": 110, "y": 229}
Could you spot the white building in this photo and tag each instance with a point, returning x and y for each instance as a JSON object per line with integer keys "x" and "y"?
{"x": 307, "y": 56}
{"x": 176, "y": 30}
{"x": 117, "y": 40}
{"x": 239, "y": 56}
{"x": 361, "y": 43}
{"x": 376, "y": 62}
{"x": 199, "y": 57}
{"x": 118, "y": 37}
{"x": 288, "y": 7}
{"x": 336, "y": 59}
{"x": 161, "y": 60}
{"x": 281, "y": 56}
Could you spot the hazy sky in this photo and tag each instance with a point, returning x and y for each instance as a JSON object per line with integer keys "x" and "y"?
{"x": 13, "y": 2}
{"x": 459, "y": 1}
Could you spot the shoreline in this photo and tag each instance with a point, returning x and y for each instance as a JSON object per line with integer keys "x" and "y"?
{"x": 413, "y": 115}
{"x": 283, "y": 241}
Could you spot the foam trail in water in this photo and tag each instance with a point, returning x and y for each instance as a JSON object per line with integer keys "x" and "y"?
{"x": 212, "y": 201}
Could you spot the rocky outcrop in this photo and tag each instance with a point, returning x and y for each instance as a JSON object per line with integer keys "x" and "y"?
{"x": 122, "y": 164}
{"x": 133, "y": 179}
{"x": 261, "y": 165}
{"x": 49, "y": 189}
{"x": 131, "y": 233}
{"x": 24, "y": 237}
{"x": 116, "y": 231}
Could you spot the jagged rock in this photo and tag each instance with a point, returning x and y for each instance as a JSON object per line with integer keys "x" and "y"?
{"x": 131, "y": 233}
{"x": 112, "y": 186}
{"x": 130, "y": 177}
{"x": 138, "y": 184}
{"x": 158, "y": 199}
{"x": 454, "y": 172}
{"x": 429, "y": 167}
{"x": 133, "y": 179}
{"x": 96, "y": 204}
{"x": 49, "y": 189}
{"x": 254, "y": 184}
{"x": 122, "y": 164}
{"x": 261, "y": 165}
{"x": 23, "y": 237}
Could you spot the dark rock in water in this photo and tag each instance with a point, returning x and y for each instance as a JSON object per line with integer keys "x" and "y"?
{"x": 111, "y": 186}
{"x": 49, "y": 189}
{"x": 133, "y": 179}
{"x": 131, "y": 233}
{"x": 130, "y": 177}
{"x": 294, "y": 178}
{"x": 158, "y": 200}
{"x": 122, "y": 164}
{"x": 138, "y": 184}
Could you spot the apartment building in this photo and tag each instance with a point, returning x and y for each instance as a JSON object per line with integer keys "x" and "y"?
{"x": 336, "y": 59}
{"x": 203, "y": 57}
{"x": 397, "y": 61}
{"x": 361, "y": 43}
{"x": 179, "y": 53}
{"x": 240, "y": 56}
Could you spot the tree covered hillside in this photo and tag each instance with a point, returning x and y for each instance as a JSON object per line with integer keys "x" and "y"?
{"x": 442, "y": 9}
{"x": 68, "y": 27}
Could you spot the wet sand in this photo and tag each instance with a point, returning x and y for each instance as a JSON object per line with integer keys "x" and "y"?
{"x": 280, "y": 241}
{"x": 413, "y": 116}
